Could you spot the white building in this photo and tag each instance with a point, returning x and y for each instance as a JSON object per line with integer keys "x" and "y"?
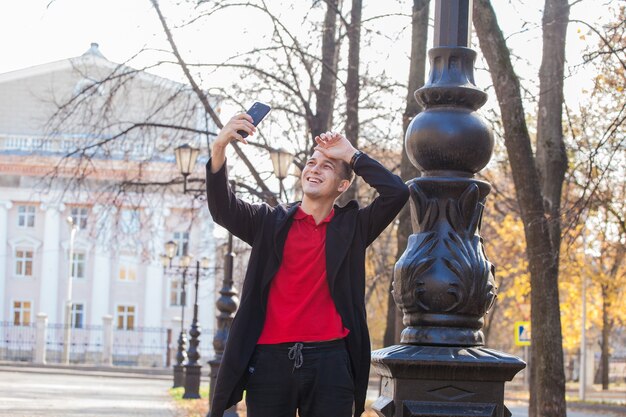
{"x": 115, "y": 264}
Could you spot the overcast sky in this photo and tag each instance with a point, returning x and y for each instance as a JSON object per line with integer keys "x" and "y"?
{"x": 40, "y": 31}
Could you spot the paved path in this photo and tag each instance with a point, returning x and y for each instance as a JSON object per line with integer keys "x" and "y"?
{"x": 520, "y": 409}
{"x": 26, "y": 392}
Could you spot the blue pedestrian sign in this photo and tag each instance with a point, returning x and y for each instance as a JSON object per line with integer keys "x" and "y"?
{"x": 522, "y": 333}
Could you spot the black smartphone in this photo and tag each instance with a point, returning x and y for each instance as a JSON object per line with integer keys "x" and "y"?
{"x": 258, "y": 111}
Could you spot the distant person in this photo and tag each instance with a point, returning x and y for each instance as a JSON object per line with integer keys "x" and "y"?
{"x": 300, "y": 340}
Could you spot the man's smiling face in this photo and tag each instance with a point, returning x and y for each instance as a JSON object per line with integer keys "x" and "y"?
{"x": 321, "y": 177}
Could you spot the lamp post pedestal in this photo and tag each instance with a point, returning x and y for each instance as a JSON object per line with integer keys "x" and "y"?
{"x": 444, "y": 381}
{"x": 181, "y": 356}
{"x": 192, "y": 381}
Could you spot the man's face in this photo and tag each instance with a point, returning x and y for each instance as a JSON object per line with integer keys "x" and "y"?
{"x": 321, "y": 177}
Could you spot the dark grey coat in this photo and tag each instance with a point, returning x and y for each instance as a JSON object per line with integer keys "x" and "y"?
{"x": 265, "y": 228}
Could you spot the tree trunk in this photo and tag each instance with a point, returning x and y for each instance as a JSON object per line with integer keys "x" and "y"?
{"x": 417, "y": 75}
{"x": 551, "y": 158}
{"x": 325, "y": 96}
{"x": 353, "y": 88}
{"x": 551, "y": 155}
{"x": 547, "y": 373}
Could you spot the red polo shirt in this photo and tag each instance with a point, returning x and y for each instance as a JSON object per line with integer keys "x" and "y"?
{"x": 299, "y": 305}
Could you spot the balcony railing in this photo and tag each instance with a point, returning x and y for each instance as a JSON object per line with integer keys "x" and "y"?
{"x": 64, "y": 145}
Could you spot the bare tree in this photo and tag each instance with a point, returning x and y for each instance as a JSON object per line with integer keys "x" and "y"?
{"x": 417, "y": 75}
{"x": 538, "y": 181}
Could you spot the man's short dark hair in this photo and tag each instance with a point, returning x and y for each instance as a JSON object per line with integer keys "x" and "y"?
{"x": 346, "y": 171}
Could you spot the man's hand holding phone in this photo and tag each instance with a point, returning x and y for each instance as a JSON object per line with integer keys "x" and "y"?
{"x": 237, "y": 129}
{"x": 230, "y": 131}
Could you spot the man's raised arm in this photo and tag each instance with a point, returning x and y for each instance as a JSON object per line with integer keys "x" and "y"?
{"x": 238, "y": 217}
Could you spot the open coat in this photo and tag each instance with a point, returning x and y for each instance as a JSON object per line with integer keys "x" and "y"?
{"x": 265, "y": 228}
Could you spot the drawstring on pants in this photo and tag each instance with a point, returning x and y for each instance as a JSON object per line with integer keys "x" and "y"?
{"x": 295, "y": 354}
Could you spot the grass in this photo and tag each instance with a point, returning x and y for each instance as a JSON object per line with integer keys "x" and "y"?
{"x": 191, "y": 408}
{"x": 200, "y": 407}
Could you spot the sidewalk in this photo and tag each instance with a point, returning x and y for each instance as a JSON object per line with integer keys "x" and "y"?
{"x": 616, "y": 396}
{"x": 42, "y": 391}
{"x": 111, "y": 371}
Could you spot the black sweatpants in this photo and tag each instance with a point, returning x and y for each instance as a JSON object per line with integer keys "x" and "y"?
{"x": 313, "y": 378}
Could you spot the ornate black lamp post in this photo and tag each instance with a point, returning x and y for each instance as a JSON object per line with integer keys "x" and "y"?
{"x": 443, "y": 283}
{"x": 227, "y": 305}
{"x": 181, "y": 355}
{"x": 192, "y": 367}
{"x": 186, "y": 374}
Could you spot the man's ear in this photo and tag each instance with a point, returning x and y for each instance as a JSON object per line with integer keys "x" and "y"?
{"x": 343, "y": 186}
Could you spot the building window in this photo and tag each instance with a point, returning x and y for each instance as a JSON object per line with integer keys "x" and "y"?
{"x": 182, "y": 243}
{"x": 78, "y": 265}
{"x": 21, "y": 313}
{"x": 125, "y": 317}
{"x": 24, "y": 263}
{"x": 26, "y": 216}
{"x": 127, "y": 272}
{"x": 79, "y": 216}
{"x": 78, "y": 316}
{"x": 130, "y": 221}
{"x": 176, "y": 293}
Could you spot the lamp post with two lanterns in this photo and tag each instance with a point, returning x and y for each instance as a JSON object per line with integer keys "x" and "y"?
{"x": 186, "y": 374}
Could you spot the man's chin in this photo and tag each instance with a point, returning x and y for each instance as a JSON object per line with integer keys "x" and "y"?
{"x": 311, "y": 192}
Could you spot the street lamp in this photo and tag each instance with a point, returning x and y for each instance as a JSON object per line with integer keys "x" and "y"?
{"x": 187, "y": 374}
{"x": 281, "y": 160}
{"x": 67, "y": 335}
{"x": 193, "y": 368}
{"x": 181, "y": 355}
{"x": 186, "y": 157}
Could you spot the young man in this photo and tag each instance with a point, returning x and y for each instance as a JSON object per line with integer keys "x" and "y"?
{"x": 299, "y": 340}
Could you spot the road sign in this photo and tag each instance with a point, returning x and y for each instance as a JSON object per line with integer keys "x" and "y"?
{"x": 522, "y": 333}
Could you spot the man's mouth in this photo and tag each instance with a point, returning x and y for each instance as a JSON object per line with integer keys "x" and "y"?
{"x": 314, "y": 180}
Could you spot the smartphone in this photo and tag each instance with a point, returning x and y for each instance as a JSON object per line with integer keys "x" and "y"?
{"x": 258, "y": 111}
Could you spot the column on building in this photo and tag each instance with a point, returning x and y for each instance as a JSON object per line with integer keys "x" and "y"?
{"x": 154, "y": 338}
{"x": 101, "y": 280}
{"x": 4, "y": 253}
{"x": 49, "y": 302}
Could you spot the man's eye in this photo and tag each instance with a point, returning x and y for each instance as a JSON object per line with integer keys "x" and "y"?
{"x": 309, "y": 163}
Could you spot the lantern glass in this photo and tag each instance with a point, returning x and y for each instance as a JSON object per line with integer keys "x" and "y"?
{"x": 186, "y": 156}
{"x": 185, "y": 261}
{"x": 204, "y": 262}
{"x": 165, "y": 261}
{"x": 281, "y": 160}
{"x": 170, "y": 249}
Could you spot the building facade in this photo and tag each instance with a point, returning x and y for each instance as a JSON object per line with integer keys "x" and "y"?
{"x": 70, "y": 148}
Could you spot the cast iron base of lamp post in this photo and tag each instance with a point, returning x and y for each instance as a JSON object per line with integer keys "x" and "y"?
{"x": 192, "y": 381}
{"x": 179, "y": 376}
{"x": 420, "y": 381}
